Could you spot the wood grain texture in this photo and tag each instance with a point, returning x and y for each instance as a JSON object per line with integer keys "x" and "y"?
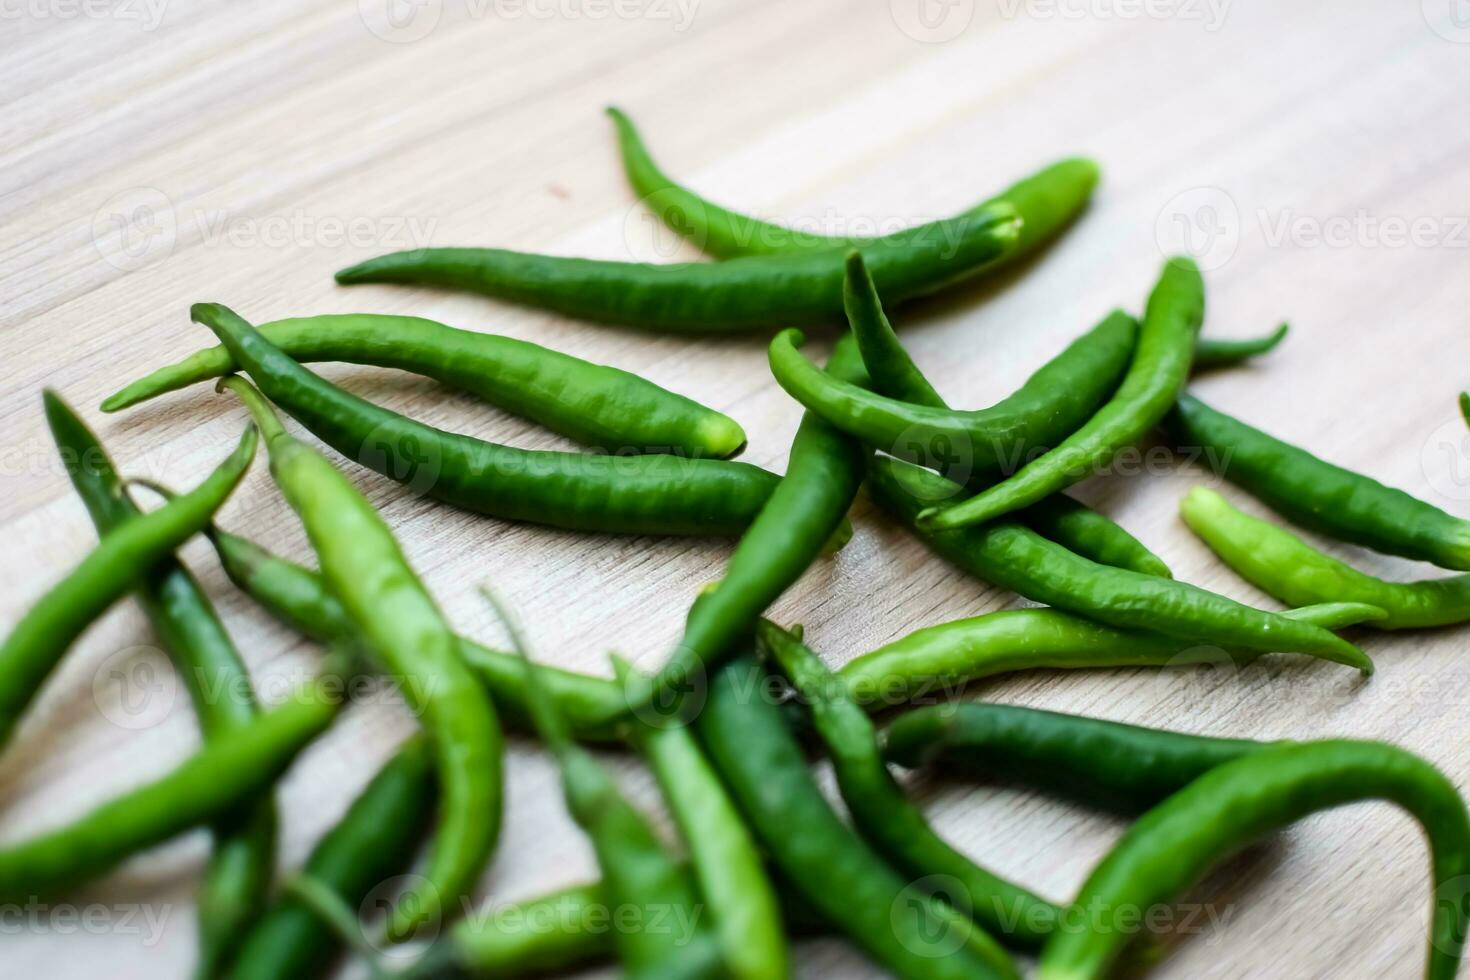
{"x": 242, "y": 153}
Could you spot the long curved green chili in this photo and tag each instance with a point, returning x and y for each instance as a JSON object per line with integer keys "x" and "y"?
{"x": 1154, "y": 380}
{"x": 1318, "y": 495}
{"x": 753, "y": 293}
{"x": 1017, "y": 558}
{"x": 886, "y": 817}
{"x": 580, "y": 491}
{"x": 238, "y": 878}
{"x": 592, "y": 403}
{"x": 373, "y": 841}
{"x": 1172, "y": 846}
{"x": 121, "y": 559}
{"x": 1047, "y": 202}
{"x": 901, "y": 928}
{"x": 391, "y": 611}
{"x": 1283, "y": 565}
{"x": 941, "y": 659}
{"x": 214, "y": 782}
{"x": 1121, "y": 768}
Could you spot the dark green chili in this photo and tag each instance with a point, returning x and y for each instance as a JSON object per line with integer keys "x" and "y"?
{"x": 754, "y": 293}
{"x": 237, "y": 880}
{"x": 1318, "y": 495}
{"x": 900, "y": 927}
{"x": 886, "y": 817}
{"x": 122, "y": 559}
{"x": 1283, "y": 565}
{"x": 1210, "y": 353}
{"x": 1122, "y": 768}
{"x": 636, "y": 495}
{"x": 392, "y": 612}
{"x": 219, "y": 779}
{"x": 1017, "y": 558}
{"x": 1155, "y": 377}
{"x": 591, "y": 403}
{"x": 1047, "y": 202}
{"x": 940, "y": 659}
{"x": 373, "y": 841}
{"x": 1172, "y": 846}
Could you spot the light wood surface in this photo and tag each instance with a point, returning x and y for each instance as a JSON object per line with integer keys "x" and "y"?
{"x": 225, "y": 151}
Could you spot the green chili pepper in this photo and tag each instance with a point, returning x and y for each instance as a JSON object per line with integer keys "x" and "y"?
{"x": 726, "y": 862}
{"x": 1017, "y": 558}
{"x": 1122, "y": 768}
{"x": 635, "y": 495}
{"x": 1172, "y": 846}
{"x": 886, "y": 817}
{"x": 591, "y": 403}
{"x": 393, "y": 613}
{"x": 940, "y": 659}
{"x": 1318, "y": 495}
{"x": 752, "y": 293}
{"x": 1047, "y": 202}
{"x": 238, "y": 878}
{"x": 1283, "y": 565}
{"x": 122, "y": 558}
{"x": 373, "y": 841}
{"x": 1159, "y": 369}
{"x": 545, "y": 934}
{"x": 638, "y": 875}
{"x": 1210, "y": 353}
{"x": 897, "y": 925}
{"x": 215, "y": 782}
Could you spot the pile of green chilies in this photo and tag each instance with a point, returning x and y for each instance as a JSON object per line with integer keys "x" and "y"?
{"x": 728, "y": 721}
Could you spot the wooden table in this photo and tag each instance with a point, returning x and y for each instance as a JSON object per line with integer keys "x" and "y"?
{"x": 158, "y": 154}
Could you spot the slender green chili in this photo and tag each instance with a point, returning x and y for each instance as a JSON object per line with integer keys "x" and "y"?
{"x": 373, "y": 841}
{"x": 237, "y": 880}
{"x": 637, "y": 494}
{"x": 1017, "y": 558}
{"x": 121, "y": 559}
{"x": 1318, "y": 495}
{"x": 900, "y": 927}
{"x": 1122, "y": 768}
{"x": 1173, "y": 845}
{"x": 1210, "y": 353}
{"x": 1158, "y": 372}
{"x": 941, "y": 659}
{"x": 753, "y": 293}
{"x": 1047, "y": 201}
{"x": 886, "y": 817}
{"x": 591, "y": 403}
{"x": 1283, "y": 565}
{"x": 389, "y": 608}
{"x": 224, "y": 775}
{"x": 545, "y": 934}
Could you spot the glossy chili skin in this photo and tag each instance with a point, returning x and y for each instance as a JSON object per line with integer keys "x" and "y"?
{"x": 1173, "y": 845}
{"x": 592, "y": 403}
{"x": 886, "y": 817}
{"x": 938, "y": 660}
{"x": 238, "y": 878}
{"x": 225, "y": 775}
{"x": 1121, "y": 768}
{"x": 1047, "y": 202}
{"x": 1283, "y": 565}
{"x": 579, "y": 491}
{"x": 1017, "y": 558}
{"x": 1319, "y": 495}
{"x": 749, "y": 294}
{"x": 121, "y": 559}
{"x": 374, "y": 840}
{"x": 1157, "y": 374}
{"x": 829, "y": 865}
{"x": 395, "y": 617}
